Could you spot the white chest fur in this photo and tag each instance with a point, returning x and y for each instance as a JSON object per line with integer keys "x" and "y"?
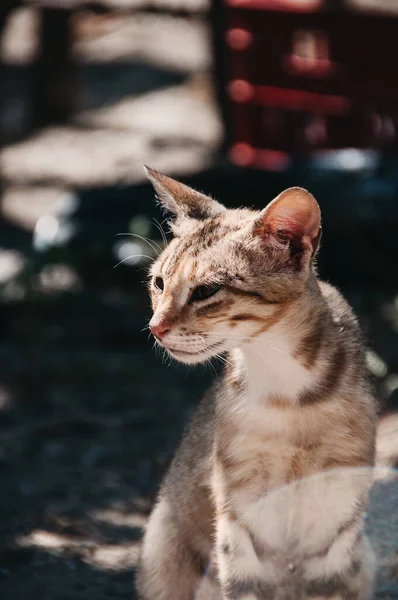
{"x": 270, "y": 366}
{"x": 270, "y": 478}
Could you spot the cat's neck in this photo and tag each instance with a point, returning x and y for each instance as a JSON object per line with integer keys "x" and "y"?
{"x": 271, "y": 363}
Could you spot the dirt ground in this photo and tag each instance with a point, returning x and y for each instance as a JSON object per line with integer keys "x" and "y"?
{"x": 89, "y": 415}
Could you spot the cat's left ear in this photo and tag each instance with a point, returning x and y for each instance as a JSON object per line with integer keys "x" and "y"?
{"x": 181, "y": 200}
{"x": 295, "y": 216}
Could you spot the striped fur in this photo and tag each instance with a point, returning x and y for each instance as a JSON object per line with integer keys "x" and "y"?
{"x": 266, "y": 495}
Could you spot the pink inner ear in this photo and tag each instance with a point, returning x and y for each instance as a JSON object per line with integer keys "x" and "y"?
{"x": 294, "y": 212}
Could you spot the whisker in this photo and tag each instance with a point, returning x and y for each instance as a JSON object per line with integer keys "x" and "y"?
{"x": 144, "y": 239}
{"x": 133, "y": 256}
{"x": 161, "y": 230}
{"x": 208, "y": 362}
{"x": 223, "y": 359}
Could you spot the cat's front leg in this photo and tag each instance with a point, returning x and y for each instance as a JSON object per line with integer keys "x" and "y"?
{"x": 242, "y": 573}
{"x": 247, "y": 571}
{"x": 353, "y": 581}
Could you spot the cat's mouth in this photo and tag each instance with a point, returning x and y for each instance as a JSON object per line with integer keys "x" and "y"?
{"x": 175, "y": 351}
{"x": 178, "y": 352}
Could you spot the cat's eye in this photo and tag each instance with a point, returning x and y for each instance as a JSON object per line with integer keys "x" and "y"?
{"x": 204, "y": 291}
{"x": 159, "y": 283}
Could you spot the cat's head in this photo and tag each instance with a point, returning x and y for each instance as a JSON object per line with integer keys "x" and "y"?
{"x": 228, "y": 275}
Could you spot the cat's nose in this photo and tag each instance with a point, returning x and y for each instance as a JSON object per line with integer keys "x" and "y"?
{"x": 160, "y": 329}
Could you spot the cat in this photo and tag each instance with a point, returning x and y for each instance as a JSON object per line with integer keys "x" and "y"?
{"x": 266, "y": 496}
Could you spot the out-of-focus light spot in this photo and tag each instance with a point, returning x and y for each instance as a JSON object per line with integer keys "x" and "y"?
{"x": 240, "y": 90}
{"x": 13, "y": 291}
{"x": 49, "y": 231}
{"x": 67, "y": 203}
{"x": 19, "y": 41}
{"x": 116, "y": 516}
{"x": 375, "y": 364}
{"x": 391, "y": 383}
{"x": 104, "y": 556}
{"x": 64, "y": 234}
{"x": 132, "y": 253}
{"x": 45, "y": 539}
{"x": 383, "y": 127}
{"x": 315, "y": 131}
{"x": 273, "y": 160}
{"x": 349, "y": 159}
{"x": 5, "y": 397}
{"x": 58, "y": 278}
{"x": 45, "y": 232}
{"x": 114, "y": 556}
{"x": 239, "y": 39}
{"x": 140, "y": 225}
{"x": 11, "y": 264}
{"x": 389, "y": 312}
{"x": 242, "y": 154}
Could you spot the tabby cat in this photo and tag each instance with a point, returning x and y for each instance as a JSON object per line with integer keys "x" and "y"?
{"x": 266, "y": 496}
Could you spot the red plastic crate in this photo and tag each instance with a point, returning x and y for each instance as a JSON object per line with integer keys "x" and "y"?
{"x": 300, "y": 77}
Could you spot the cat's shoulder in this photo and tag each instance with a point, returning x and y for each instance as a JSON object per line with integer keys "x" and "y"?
{"x": 341, "y": 311}
{"x": 335, "y": 299}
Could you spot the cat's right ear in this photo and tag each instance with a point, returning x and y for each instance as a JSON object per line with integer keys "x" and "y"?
{"x": 293, "y": 216}
{"x": 181, "y": 200}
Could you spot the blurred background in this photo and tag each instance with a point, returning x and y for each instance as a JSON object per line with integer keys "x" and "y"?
{"x": 238, "y": 98}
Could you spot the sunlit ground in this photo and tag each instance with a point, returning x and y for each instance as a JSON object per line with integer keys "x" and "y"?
{"x": 143, "y": 97}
